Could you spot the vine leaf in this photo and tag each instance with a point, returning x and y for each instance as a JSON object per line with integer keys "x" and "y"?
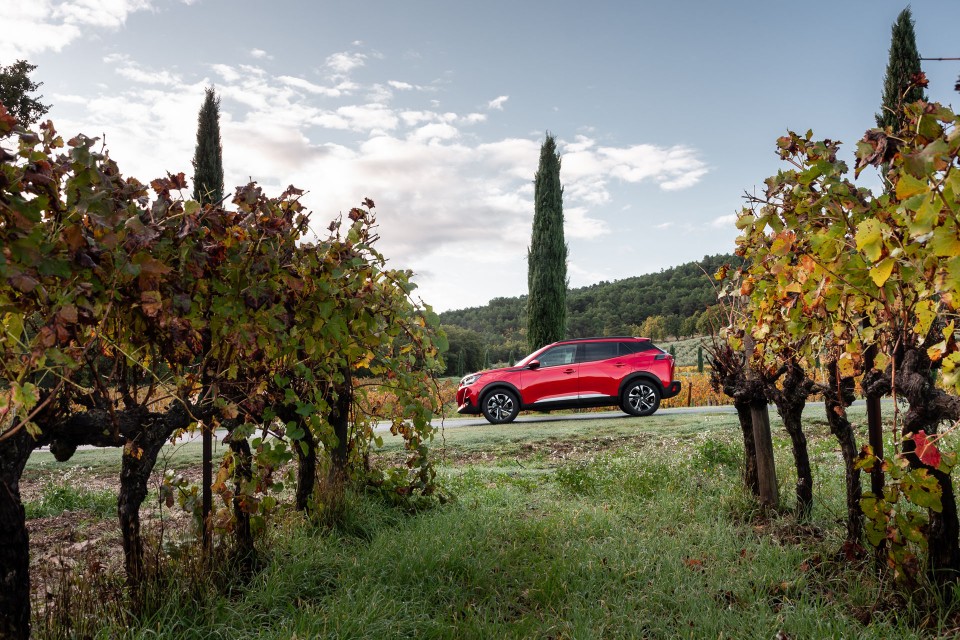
{"x": 926, "y": 450}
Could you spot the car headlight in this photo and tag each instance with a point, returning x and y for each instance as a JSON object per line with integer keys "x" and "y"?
{"x": 470, "y": 379}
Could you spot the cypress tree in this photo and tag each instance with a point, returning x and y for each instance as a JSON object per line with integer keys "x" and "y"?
{"x": 903, "y": 66}
{"x": 547, "y": 255}
{"x": 208, "y": 157}
{"x": 208, "y": 188}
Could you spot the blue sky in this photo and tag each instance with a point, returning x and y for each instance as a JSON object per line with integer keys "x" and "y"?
{"x": 665, "y": 112}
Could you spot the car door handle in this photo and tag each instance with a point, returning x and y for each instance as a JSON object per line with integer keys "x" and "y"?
{"x": 619, "y": 365}
{"x": 569, "y": 370}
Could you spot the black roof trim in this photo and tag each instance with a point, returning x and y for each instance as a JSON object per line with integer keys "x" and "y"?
{"x": 603, "y": 338}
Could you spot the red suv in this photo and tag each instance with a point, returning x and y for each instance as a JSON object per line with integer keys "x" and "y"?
{"x": 631, "y": 373}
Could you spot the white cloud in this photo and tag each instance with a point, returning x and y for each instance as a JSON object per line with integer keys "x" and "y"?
{"x": 435, "y": 131}
{"x": 663, "y": 225}
{"x": 577, "y": 223}
{"x": 380, "y": 93}
{"x": 413, "y": 118}
{"x": 438, "y": 190}
{"x": 370, "y": 118}
{"x": 671, "y": 168}
{"x": 581, "y": 143}
{"x": 33, "y": 26}
{"x": 497, "y": 103}
{"x": 343, "y": 63}
{"x": 260, "y": 54}
{"x": 135, "y": 73}
{"x": 724, "y": 222}
{"x": 400, "y": 86}
{"x": 310, "y": 87}
{"x": 228, "y": 73}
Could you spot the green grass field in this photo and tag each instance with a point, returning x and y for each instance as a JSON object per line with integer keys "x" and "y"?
{"x": 612, "y": 528}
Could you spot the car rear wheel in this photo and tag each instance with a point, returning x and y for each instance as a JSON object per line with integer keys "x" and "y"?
{"x": 640, "y": 398}
{"x": 500, "y": 406}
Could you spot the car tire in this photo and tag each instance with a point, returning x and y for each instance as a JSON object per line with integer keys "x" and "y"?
{"x": 640, "y": 398}
{"x": 500, "y": 406}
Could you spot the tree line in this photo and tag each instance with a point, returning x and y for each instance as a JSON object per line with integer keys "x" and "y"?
{"x": 674, "y": 303}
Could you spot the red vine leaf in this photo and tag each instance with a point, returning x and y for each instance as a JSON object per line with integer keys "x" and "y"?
{"x": 926, "y": 450}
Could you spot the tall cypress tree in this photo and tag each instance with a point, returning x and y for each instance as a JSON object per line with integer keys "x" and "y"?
{"x": 208, "y": 188}
{"x": 208, "y": 157}
{"x": 547, "y": 255}
{"x": 904, "y": 64}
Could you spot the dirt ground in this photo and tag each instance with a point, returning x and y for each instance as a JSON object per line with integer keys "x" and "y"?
{"x": 78, "y": 547}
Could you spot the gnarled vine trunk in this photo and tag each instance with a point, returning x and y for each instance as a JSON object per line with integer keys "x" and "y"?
{"x": 838, "y": 395}
{"x": 727, "y": 375}
{"x": 144, "y": 443}
{"x": 929, "y": 407}
{"x": 340, "y": 421}
{"x": 306, "y": 449}
{"x": 14, "y": 539}
{"x": 790, "y": 401}
{"x": 244, "y": 551}
{"x": 750, "y": 480}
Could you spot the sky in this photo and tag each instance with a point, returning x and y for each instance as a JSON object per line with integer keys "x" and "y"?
{"x": 665, "y": 113}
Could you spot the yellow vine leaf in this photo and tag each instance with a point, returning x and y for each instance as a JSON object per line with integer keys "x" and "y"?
{"x": 881, "y": 271}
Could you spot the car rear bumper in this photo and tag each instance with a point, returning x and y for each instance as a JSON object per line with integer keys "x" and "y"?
{"x": 672, "y": 390}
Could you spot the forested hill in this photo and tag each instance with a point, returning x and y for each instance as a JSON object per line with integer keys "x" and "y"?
{"x": 606, "y": 308}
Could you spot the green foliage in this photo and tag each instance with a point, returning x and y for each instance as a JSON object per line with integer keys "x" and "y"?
{"x": 208, "y": 156}
{"x": 712, "y": 453}
{"x": 900, "y": 86}
{"x": 837, "y": 272}
{"x": 610, "y": 474}
{"x": 465, "y": 353}
{"x": 125, "y": 307}
{"x": 61, "y": 495}
{"x": 896, "y": 519}
{"x": 16, "y": 88}
{"x": 605, "y": 308}
{"x": 547, "y": 256}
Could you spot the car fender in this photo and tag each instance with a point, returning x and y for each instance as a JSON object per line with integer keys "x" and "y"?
{"x": 641, "y": 375}
{"x": 499, "y": 384}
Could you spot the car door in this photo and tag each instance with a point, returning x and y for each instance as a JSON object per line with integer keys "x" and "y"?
{"x": 555, "y": 380}
{"x": 601, "y": 369}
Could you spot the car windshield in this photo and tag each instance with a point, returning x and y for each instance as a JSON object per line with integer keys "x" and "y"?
{"x": 525, "y": 361}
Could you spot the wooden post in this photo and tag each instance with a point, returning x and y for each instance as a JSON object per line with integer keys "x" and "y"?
{"x": 762, "y": 438}
{"x": 207, "y": 489}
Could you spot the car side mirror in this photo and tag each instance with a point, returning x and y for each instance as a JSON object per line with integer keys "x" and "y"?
{"x": 534, "y": 364}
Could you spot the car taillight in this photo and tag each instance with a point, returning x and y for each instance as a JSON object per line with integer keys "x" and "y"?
{"x": 663, "y": 356}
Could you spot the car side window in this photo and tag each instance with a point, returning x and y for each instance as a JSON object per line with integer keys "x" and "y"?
{"x": 593, "y": 351}
{"x": 626, "y": 348}
{"x": 564, "y": 354}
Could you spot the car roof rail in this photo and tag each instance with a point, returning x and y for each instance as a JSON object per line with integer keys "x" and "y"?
{"x": 606, "y": 338}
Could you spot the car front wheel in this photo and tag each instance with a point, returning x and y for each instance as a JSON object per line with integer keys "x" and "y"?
{"x": 640, "y": 398}
{"x": 500, "y": 406}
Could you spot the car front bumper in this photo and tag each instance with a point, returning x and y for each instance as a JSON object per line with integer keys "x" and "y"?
{"x": 468, "y": 401}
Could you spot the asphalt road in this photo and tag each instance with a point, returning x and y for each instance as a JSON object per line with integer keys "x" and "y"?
{"x": 560, "y": 417}
{"x": 479, "y": 421}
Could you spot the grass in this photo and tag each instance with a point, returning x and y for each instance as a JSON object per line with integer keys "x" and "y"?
{"x": 618, "y": 527}
{"x": 60, "y": 495}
